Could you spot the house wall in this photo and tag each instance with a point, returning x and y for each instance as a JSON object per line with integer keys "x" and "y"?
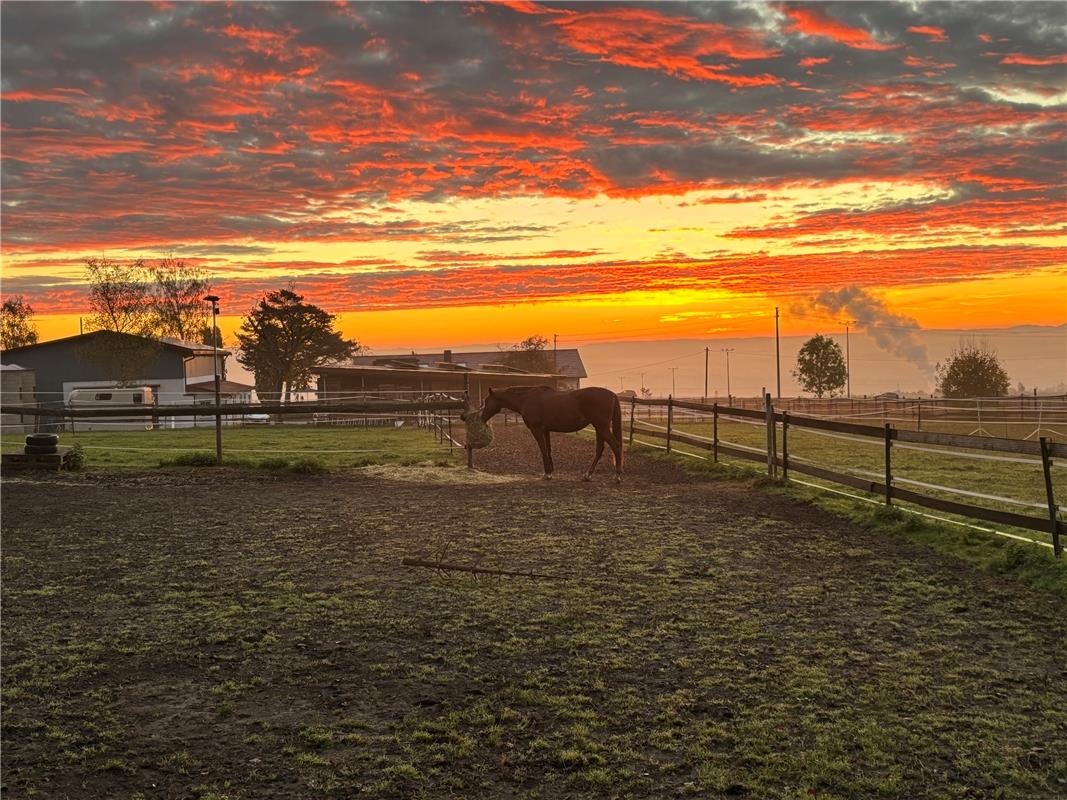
{"x": 64, "y": 363}
{"x": 17, "y": 387}
{"x": 200, "y": 369}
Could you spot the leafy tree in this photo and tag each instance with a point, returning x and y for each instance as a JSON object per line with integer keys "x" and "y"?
{"x": 972, "y": 370}
{"x": 177, "y": 296}
{"x": 531, "y": 355}
{"x": 820, "y": 366}
{"x": 283, "y": 339}
{"x": 16, "y": 324}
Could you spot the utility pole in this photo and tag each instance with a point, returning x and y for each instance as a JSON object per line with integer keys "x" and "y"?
{"x": 728, "y": 350}
{"x": 621, "y": 379}
{"x": 777, "y": 354}
{"x": 706, "y": 351}
{"x": 555, "y": 360}
{"x": 674, "y": 389}
{"x": 642, "y": 384}
{"x": 848, "y": 361}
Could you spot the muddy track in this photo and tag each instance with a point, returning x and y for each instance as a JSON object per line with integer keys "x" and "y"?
{"x": 189, "y": 634}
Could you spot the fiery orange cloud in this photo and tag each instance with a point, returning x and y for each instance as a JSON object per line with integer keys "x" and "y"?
{"x": 933, "y": 33}
{"x": 812, "y": 21}
{"x": 1034, "y": 61}
{"x": 431, "y": 156}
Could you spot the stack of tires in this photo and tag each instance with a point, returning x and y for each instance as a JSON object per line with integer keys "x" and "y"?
{"x": 42, "y": 444}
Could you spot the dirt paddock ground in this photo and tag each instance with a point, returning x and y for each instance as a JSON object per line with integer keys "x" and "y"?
{"x": 232, "y": 634}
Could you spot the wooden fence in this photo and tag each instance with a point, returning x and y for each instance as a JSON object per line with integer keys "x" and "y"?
{"x": 776, "y": 458}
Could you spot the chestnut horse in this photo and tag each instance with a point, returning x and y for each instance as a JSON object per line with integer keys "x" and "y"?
{"x": 546, "y": 411}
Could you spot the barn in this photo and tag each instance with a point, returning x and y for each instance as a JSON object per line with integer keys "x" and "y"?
{"x": 446, "y": 372}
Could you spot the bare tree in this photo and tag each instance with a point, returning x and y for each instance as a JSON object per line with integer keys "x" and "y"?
{"x": 177, "y": 290}
{"x": 120, "y": 297}
{"x": 123, "y": 315}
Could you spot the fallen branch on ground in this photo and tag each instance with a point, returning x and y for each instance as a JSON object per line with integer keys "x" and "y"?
{"x": 441, "y": 565}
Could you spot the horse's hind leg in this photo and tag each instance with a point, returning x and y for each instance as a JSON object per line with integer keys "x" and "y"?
{"x": 616, "y": 452}
{"x": 596, "y": 459}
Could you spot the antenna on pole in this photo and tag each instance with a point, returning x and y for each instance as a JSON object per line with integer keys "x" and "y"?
{"x": 777, "y": 355}
{"x": 706, "y": 351}
{"x": 728, "y": 350}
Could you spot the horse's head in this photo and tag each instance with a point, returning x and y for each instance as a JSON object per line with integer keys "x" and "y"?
{"x": 492, "y": 406}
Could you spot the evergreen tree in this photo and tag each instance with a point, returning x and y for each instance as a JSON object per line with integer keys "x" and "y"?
{"x": 283, "y": 339}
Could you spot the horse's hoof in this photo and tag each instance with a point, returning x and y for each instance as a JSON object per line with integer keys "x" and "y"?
{"x": 618, "y": 479}
{"x": 586, "y": 478}
{"x": 546, "y": 477}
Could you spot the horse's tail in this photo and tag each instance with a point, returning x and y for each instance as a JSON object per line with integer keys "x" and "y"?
{"x": 616, "y": 427}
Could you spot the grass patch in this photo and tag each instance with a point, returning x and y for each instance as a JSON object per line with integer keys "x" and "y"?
{"x": 707, "y": 640}
{"x": 1032, "y": 565}
{"x": 304, "y": 449}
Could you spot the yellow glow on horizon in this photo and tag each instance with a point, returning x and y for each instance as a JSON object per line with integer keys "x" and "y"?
{"x": 994, "y": 302}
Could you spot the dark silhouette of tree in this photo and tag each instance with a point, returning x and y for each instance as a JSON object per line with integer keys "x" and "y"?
{"x": 820, "y": 366}
{"x": 177, "y": 296}
{"x": 121, "y": 303}
{"x": 120, "y": 296}
{"x": 16, "y": 324}
{"x": 531, "y": 355}
{"x": 283, "y": 339}
{"x": 972, "y": 370}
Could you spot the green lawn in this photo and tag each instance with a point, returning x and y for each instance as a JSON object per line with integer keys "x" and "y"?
{"x": 277, "y": 445}
{"x": 1015, "y": 480}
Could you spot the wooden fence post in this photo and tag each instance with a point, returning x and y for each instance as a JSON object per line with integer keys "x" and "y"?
{"x": 633, "y": 407}
{"x": 785, "y": 445}
{"x": 1046, "y": 465}
{"x": 919, "y": 416}
{"x": 450, "y": 442}
{"x": 670, "y": 420}
{"x": 888, "y": 464}
{"x": 772, "y": 454}
{"x": 715, "y": 432}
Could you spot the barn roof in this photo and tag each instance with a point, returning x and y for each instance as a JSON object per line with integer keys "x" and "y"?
{"x": 568, "y": 361}
{"x": 191, "y": 348}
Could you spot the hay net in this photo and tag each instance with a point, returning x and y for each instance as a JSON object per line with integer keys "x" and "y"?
{"x": 479, "y": 434}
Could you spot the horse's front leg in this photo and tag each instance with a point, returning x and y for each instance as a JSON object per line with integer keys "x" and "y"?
{"x": 546, "y": 451}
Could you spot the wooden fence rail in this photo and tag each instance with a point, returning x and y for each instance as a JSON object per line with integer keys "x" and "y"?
{"x": 1044, "y": 449}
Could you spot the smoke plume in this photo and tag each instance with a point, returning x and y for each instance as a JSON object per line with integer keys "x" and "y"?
{"x": 894, "y": 333}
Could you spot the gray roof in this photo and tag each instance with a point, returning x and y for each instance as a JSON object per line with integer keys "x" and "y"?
{"x": 195, "y": 348}
{"x": 568, "y": 361}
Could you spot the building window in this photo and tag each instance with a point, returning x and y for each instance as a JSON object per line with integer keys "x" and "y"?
{"x": 103, "y": 395}
{"x": 138, "y": 397}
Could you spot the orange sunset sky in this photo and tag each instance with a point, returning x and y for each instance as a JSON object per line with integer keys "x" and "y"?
{"x": 441, "y": 174}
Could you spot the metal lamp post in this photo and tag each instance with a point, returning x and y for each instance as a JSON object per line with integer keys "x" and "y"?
{"x": 214, "y": 300}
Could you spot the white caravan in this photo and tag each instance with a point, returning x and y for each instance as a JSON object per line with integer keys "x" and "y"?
{"x": 112, "y": 397}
